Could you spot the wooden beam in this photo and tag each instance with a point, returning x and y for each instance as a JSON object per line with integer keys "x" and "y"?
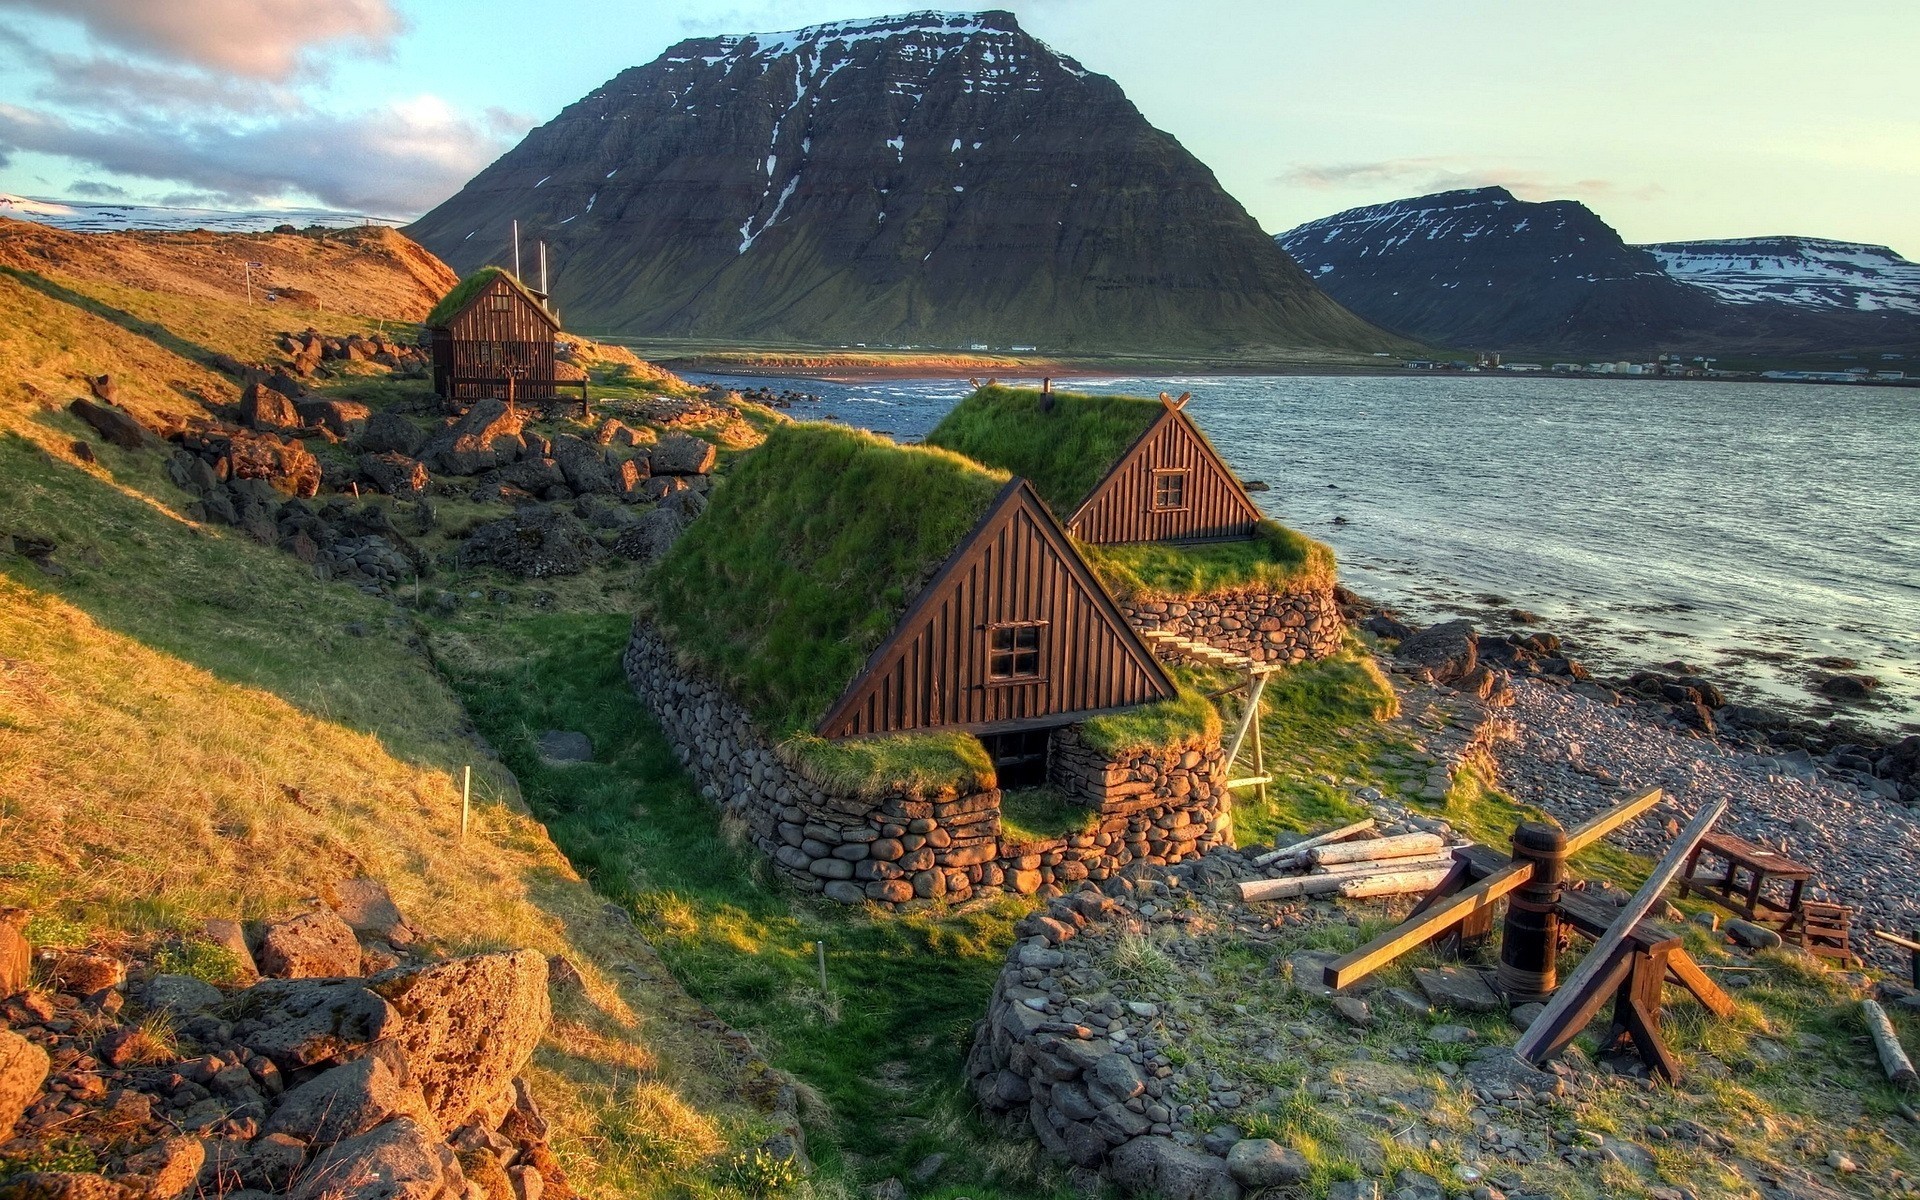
{"x": 1572, "y": 993}
{"x": 1893, "y": 1058}
{"x": 1247, "y": 718}
{"x": 1557, "y": 1028}
{"x": 1319, "y": 839}
{"x": 1358, "y": 964}
{"x": 1289, "y": 886}
{"x": 1897, "y": 940}
{"x": 1251, "y": 780}
{"x": 1704, "y": 989}
{"x": 1393, "y": 883}
{"x": 1582, "y": 836}
{"x": 1405, "y": 845}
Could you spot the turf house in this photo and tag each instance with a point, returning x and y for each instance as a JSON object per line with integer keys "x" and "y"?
{"x": 492, "y": 337}
{"x": 1160, "y": 517}
{"x": 896, "y": 669}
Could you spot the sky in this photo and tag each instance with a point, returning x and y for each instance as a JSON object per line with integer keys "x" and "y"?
{"x": 1674, "y": 120}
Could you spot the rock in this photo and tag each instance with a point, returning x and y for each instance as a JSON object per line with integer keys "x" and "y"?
{"x": 398, "y": 1161}
{"x": 82, "y": 973}
{"x": 1264, "y": 1163}
{"x": 630, "y": 480}
{"x": 527, "y": 1183}
{"x": 1448, "y": 650}
{"x": 315, "y": 945}
{"x": 1750, "y": 935}
{"x": 229, "y": 936}
{"x": 537, "y": 543}
{"x": 391, "y": 433}
{"x": 468, "y": 1026}
{"x": 1381, "y": 625}
{"x": 62, "y": 1185}
{"x": 168, "y": 1168}
{"x": 1308, "y": 968}
{"x": 534, "y": 476}
{"x": 302, "y": 1022}
{"x": 1353, "y": 1189}
{"x": 559, "y": 748}
{"x": 1846, "y": 687}
{"x": 650, "y": 537}
{"x": 16, "y": 956}
{"x": 115, "y": 424}
{"x": 1523, "y": 1015}
{"x": 23, "y": 1068}
{"x": 1162, "y": 1167}
{"x": 1411, "y": 1003}
{"x": 682, "y": 454}
{"x": 1417, "y": 1185}
{"x": 485, "y": 438}
{"x": 264, "y": 409}
{"x": 272, "y": 1162}
{"x": 180, "y": 996}
{"x": 1353, "y": 1011}
{"x": 584, "y": 465}
{"x": 342, "y": 418}
{"x": 924, "y": 1170}
{"x": 1457, "y": 988}
{"x": 349, "y": 1101}
{"x": 1499, "y": 1068}
{"x": 1449, "y": 1035}
{"x": 368, "y": 909}
{"x": 103, "y": 387}
{"x": 284, "y": 463}
{"x": 1118, "y": 1075}
{"x": 395, "y": 474}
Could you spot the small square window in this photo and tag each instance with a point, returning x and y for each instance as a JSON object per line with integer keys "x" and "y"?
{"x": 500, "y": 302}
{"x": 1014, "y": 651}
{"x": 1169, "y": 490}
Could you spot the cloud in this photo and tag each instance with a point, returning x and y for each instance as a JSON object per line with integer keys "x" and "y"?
{"x": 257, "y": 39}
{"x": 99, "y": 191}
{"x": 1439, "y": 173}
{"x": 98, "y": 81}
{"x": 392, "y": 161}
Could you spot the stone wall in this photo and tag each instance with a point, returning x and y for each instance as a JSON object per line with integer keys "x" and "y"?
{"x": 1158, "y": 806}
{"x": 1289, "y": 626}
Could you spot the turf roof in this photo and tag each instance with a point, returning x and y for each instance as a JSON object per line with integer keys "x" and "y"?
{"x": 806, "y": 559}
{"x": 1065, "y": 449}
{"x": 455, "y": 300}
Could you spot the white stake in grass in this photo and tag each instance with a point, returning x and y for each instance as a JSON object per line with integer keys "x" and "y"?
{"x": 466, "y": 799}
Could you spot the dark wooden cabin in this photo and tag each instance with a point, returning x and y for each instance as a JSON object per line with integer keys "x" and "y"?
{"x": 846, "y": 586}
{"x": 1116, "y": 468}
{"x": 492, "y": 337}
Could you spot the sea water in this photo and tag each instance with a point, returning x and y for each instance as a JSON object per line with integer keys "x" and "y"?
{"x": 1763, "y": 534}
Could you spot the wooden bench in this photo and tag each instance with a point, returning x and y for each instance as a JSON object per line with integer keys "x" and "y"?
{"x": 1746, "y": 896}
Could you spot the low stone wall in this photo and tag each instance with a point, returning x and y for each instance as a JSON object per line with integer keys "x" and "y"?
{"x": 1289, "y": 626}
{"x": 1159, "y": 806}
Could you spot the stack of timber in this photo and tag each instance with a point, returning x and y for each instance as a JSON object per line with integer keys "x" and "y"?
{"x": 1175, "y": 646}
{"x": 1354, "y": 863}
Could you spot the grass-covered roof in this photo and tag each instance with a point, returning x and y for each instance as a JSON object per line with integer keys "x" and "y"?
{"x": 1064, "y": 447}
{"x": 455, "y": 300}
{"x": 806, "y": 560}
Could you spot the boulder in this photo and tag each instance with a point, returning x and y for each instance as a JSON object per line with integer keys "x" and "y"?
{"x": 267, "y": 410}
{"x": 112, "y": 423}
{"x": 271, "y": 1163}
{"x": 1752, "y": 936}
{"x": 618, "y": 433}
{"x": 286, "y": 464}
{"x": 1846, "y": 686}
{"x": 82, "y": 973}
{"x": 351, "y": 1100}
{"x": 400, "y": 1160}
{"x": 1162, "y": 1167}
{"x": 532, "y": 475}
{"x": 315, "y": 945}
{"x": 395, "y": 474}
{"x": 1382, "y": 625}
{"x": 16, "y": 956}
{"x": 486, "y": 437}
{"x": 390, "y": 433}
{"x": 536, "y": 543}
{"x": 1264, "y": 1163}
{"x": 630, "y": 480}
{"x": 560, "y": 748}
{"x": 180, "y": 996}
{"x": 300, "y": 1022}
{"x": 342, "y": 418}
{"x": 1449, "y": 650}
{"x": 23, "y": 1068}
{"x": 650, "y": 537}
{"x": 682, "y": 454}
{"x": 468, "y": 1026}
{"x": 368, "y": 909}
{"x": 63, "y": 1185}
{"x": 167, "y": 1170}
{"x": 584, "y": 465}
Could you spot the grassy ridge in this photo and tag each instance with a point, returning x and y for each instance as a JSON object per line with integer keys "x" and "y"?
{"x": 1064, "y": 444}
{"x": 1275, "y": 558}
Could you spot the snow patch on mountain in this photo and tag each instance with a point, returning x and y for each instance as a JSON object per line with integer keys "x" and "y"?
{"x": 1815, "y": 273}
{"x": 86, "y": 217}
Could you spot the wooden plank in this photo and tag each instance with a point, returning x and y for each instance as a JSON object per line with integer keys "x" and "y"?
{"x": 1358, "y": 964}
{"x": 1571, "y": 993}
{"x": 1704, "y": 989}
{"x": 1247, "y": 718}
{"x": 1290, "y": 886}
{"x": 1405, "y": 845}
{"x": 1319, "y": 839}
{"x": 1250, "y": 781}
{"x": 1392, "y": 883}
{"x": 1897, "y": 940}
{"x": 1566, "y": 1024}
{"x": 1893, "y": 1058}
{"x": 1582, "y": 836}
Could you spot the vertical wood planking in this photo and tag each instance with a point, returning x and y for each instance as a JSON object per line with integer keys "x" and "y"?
{"x": 1121, "y": 508}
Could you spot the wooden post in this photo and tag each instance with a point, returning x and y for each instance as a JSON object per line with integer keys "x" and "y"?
{"x": 1254, "y": 689}
{"x": 820, "y": 954}
{"x": 466, "y": 799}
{"x": 1605, "y": 952}
{"x": 1531, "y": 940}
{"x": 1893, "y": 1058}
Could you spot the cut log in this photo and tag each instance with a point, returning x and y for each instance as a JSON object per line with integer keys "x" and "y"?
{"x": 1392, "y": 883}
{"x": 1329, "y": 883}
{"x": 1893, "y": 1059}
{"x": 1406, "y": 845}
{"x": 1300, "y": 848}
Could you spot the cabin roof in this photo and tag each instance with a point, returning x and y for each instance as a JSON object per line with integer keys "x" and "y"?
{"x": 1065, "y": 444}
{"x": 807, "y": 558}
{"x": 455, "y": 302}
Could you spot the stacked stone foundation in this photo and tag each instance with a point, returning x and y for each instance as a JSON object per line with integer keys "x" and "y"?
{"x": 1157, "y": 806}
{"x": 1280, "y": 627}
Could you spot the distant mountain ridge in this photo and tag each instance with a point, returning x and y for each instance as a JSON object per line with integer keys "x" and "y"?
{"x": 86, "y": 216}
{"x": 936, "y": 179}
{"x": 1479, "y": 268}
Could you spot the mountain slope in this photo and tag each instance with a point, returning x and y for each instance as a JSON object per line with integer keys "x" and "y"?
{"x": 1812, "y": 273}
{"x": 930, "y": 179}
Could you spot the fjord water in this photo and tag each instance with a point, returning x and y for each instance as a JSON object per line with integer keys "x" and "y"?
{"x": 1745, "y": 529}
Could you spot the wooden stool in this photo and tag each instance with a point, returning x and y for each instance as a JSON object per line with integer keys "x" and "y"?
{"x": 1823, "y": 930}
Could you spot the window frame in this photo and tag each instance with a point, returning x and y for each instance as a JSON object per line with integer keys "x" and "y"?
{"x": 1179, "y": 475}
{"x": 1013, "y": 653}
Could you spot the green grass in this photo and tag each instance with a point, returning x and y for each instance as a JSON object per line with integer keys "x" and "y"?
{"x": 804, "y": 563}
{"x": 451, "y": 303}
{"x": 1064, "y": 450}
{"x": 1275, "y": 558}
{"x": 1188, "y": 719}
{"x": 905, "y": 762}
{"x": 1038, "y": 813}
{"x": 883, "y": 1047}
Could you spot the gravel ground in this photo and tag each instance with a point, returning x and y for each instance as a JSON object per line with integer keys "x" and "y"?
{"x": 1573, "y": 756}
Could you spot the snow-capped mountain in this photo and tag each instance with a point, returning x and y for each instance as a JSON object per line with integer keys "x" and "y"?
{"x": 1808, "y": 272}
{"x": 88, "y": 217}
{"x": 1481, "y": 269}
{"x": 936, "y": 179}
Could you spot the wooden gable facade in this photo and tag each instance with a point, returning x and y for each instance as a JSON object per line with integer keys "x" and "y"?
{"x": 1013, "y": 633}
{"x": 1170, "y": 486}
{"x": 497, "y": 342}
